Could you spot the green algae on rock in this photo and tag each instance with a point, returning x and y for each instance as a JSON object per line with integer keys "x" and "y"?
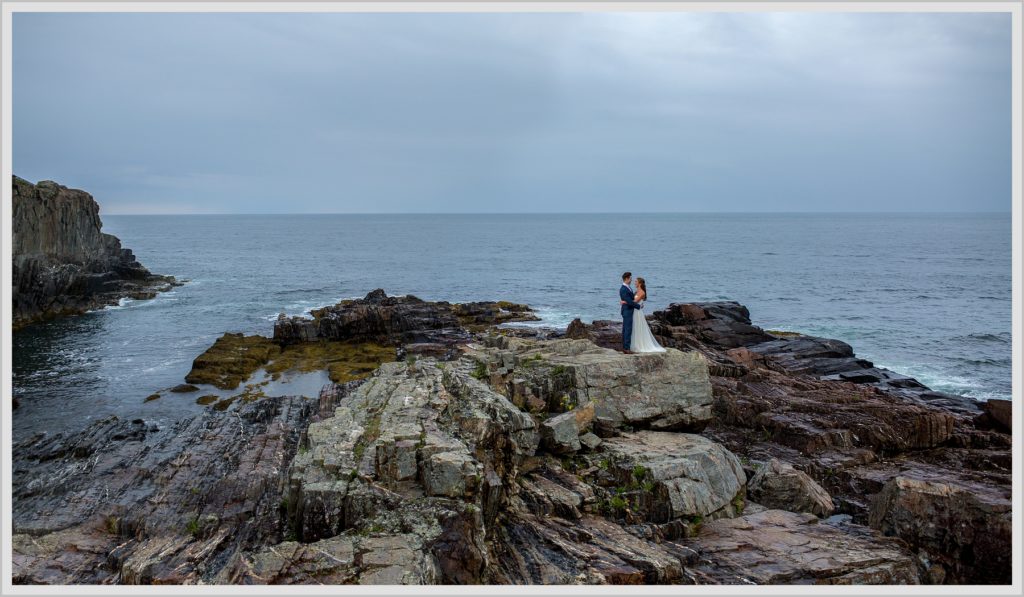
{"x": 231, "y": 360}
{"x": 343, "y": 361}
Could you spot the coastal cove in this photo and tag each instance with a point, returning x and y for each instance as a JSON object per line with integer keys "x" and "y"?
{"x": 923, "y": 295}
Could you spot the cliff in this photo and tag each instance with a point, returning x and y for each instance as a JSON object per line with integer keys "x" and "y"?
{"x": 63, "y": 264}
{"x": 497, "y": 455}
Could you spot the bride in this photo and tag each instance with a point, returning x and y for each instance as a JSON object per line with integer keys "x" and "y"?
{"x": 642, "y": 340}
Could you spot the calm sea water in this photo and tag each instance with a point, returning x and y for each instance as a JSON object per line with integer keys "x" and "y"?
{"x": 924, "y": 295}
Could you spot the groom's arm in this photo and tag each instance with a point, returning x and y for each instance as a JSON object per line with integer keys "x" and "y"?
{"x": 627, "y": 297}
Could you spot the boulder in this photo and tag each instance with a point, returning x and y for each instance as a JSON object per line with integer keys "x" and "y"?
{"x": 675, "y": 475}
{"x": 561, "y": 434}
{"x": 664, "y": 391}
{"x": 778, "y": 485}
{"x": 1000, "y": 413}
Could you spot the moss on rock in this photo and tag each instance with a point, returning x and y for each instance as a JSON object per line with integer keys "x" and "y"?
{"x": 231, "y": 360}
{"x": 343, "y": 361}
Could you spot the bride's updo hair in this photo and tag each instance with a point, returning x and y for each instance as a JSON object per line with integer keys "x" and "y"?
{"x": 642, "y": 284}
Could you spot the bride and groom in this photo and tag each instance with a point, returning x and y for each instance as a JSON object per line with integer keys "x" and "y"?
{"x": 636, "y": 334}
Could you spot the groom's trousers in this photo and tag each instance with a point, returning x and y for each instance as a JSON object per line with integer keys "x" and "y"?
{"x": 627, "y": 328}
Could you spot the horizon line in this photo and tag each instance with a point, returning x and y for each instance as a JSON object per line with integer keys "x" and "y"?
{"x": 555, "y": 213}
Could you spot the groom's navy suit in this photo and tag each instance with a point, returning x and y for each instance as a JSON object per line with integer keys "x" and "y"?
{"x": 626, "y": 294}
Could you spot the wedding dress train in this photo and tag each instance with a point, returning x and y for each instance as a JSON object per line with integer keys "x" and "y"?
{"x": 642, "y": 339}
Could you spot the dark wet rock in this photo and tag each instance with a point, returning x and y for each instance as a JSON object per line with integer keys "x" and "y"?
{"x": 126, "y": 502}
{"x": 398, "y": 320}
{"x": 183, "y": 388}
{"x": 778, "y": 485}
{"x": 532, "y": 549}
{"x": 724, "y": 323}
{"x": 62, "y": 263}
{"x": 997, "y": 414}
{"x": 813, "y": 416}
{"x": 965, "y": 529}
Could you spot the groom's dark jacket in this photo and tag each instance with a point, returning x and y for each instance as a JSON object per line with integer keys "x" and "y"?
{"x": 627, "y": 295}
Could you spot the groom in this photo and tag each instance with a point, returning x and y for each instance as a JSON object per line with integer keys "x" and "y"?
{"x": 626, "y": 296}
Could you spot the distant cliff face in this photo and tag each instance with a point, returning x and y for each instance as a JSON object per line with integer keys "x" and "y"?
{"x": 63, "y": 263}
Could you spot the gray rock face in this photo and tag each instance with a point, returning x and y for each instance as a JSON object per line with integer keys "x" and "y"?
{"x": 778, "y": 485}
{"x": 561, "y": 433}
{"x": 664, "y": 391}
{"x": 62, "y": 263}
{"x": 686, "y": 475}
{"x": 429, "y": 450}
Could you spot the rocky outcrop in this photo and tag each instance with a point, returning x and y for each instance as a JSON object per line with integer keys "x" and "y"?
{"x": 854, "y": 429}
{"x": 63, "y": 264}
{"x": 951, "y": 523}
{"x": 682, "y": 475}
{"x": 477, "y": 459}
{"x": 663, "y": 391}
{"x": 778, "y": 485}
{"x": 404, "y": 319}
{"x": 130, "y": 502}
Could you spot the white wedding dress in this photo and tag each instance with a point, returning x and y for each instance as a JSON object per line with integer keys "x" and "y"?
{"x": 642, "y": 339}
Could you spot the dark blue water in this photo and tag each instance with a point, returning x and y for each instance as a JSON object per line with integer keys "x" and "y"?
{"x": 924, "y": 295}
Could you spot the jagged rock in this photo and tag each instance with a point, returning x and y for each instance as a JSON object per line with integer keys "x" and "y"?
{"x": 62, "y": 263}
{"x": 392, "y": 560}
{"x": 409, "y": 438}
{"x": 965, "y": 529}
{"x": 815, "y": 416}
{"x": 685, "y": 475}
{"x": 590, "y": 441}
{"x": 779, "y": 547}
{"x": 724, "y": 323}
{"x": 561, "y": 433}
{"x": 551, "y": 491}
{"x": 577, "y": 330}
{"x": 778, "y": 485}
{"x": 667, "y": 391}
{"x": 126, "y": 502}
{"x": 397, "y": 319}
{"x": 999, "y": 414}
{"x": 429, "y": 471}
{"x": 531, "y": 549}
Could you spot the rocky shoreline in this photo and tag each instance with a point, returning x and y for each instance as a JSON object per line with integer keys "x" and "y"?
{"x": 63, "y": 264}
{"x": 471, "y": 452}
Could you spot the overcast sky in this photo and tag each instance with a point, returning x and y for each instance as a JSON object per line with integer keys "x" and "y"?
{"x": 272, "y": 113}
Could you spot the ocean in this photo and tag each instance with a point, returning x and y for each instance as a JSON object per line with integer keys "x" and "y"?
{"x": 927, "y": 295}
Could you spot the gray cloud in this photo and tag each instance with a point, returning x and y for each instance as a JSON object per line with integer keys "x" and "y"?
{"x": 255, "y": 113}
